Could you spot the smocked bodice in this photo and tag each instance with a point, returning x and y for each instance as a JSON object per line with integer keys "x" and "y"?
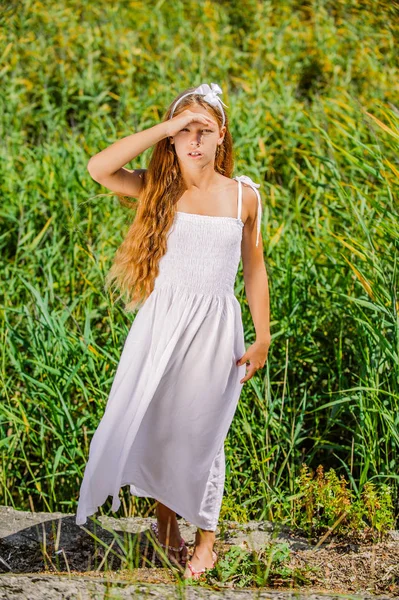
{"x": 203, "y": 251}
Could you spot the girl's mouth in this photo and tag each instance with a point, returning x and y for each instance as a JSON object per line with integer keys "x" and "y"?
{"x": 194, "y": 154}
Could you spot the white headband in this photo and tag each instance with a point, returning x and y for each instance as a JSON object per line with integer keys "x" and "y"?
{"x": 209, "y": 94}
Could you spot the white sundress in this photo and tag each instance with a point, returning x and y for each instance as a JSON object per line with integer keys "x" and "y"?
{"x": 177, "y": 385}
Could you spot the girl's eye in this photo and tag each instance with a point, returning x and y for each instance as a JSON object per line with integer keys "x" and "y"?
{"x": 209, "y": 130}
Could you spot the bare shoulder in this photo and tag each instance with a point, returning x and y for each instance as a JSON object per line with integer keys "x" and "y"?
{"x": 249, "y": 204}
{"x": 249, "y": 198}
{"x": 227, "y": 182}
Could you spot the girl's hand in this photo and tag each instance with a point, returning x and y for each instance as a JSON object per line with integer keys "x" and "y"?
{"x": 177, "y": 123}
{"x": 256, "y": 355}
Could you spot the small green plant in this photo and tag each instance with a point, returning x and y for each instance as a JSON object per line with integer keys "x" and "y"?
{"x": 267, "y": 566}
{"x": 325, "y": 504}
{"x": 378, "y": 505}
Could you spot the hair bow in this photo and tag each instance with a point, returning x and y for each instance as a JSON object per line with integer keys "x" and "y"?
{"x": 254, "y": 186}
{"x": 210, "y": 94}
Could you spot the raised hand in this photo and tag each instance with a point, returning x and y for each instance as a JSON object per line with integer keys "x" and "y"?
{"x": 176, "y": 124}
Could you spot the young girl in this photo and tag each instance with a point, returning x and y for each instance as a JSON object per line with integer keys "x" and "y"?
{"x": 184, "y": 361}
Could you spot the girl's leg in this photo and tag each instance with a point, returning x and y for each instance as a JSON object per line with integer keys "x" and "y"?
{"x": 168, "y": 527}
{"x": 169, "y": 533}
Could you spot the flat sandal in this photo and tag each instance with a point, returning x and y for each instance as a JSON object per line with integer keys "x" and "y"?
{"x": 201, "y": 572}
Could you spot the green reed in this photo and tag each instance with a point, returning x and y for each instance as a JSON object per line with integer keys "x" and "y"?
{"x": 311, "y": 91}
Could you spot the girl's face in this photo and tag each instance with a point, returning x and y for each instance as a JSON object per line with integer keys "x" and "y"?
{"x": 198, "y": 138}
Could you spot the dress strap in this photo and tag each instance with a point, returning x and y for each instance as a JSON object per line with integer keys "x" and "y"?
{"x": 239, "y": 199}
{"x": 245, "y": 179}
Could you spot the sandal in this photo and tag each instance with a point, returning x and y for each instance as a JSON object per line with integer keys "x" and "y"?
{"x": 201, "y": 572}
{"x": 172, "y": 558}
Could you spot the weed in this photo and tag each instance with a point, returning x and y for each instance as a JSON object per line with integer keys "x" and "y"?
{"x": 268, "y": 566}
{"x": 325, "y": 503}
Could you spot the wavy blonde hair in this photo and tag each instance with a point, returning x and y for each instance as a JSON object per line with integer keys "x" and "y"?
{"x": 136, "y": 262}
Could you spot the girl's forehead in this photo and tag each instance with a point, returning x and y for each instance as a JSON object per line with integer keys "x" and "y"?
{"x": 199, "y": 109}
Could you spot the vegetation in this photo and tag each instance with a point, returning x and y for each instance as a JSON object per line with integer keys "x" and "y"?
{"x": 269, "y": 566}
{"x": 311, "y": 90}
{"x": 325, "y": 505}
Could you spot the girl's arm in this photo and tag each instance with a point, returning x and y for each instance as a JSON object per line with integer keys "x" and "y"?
{"x": 254, "y": 271}
{"x": 256, "y": 289}
{"x": 107, "y": 167}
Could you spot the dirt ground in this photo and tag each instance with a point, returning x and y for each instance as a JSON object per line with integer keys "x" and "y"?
{"x": 52, "y": 544}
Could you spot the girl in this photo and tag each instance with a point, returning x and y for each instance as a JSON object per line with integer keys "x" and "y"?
{"x": 184, "y": 361}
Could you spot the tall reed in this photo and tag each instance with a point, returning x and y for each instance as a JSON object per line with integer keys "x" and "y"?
{"x": 312, "y": 92}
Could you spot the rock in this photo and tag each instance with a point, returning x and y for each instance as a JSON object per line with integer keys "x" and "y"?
{"x": 18, "y": 587}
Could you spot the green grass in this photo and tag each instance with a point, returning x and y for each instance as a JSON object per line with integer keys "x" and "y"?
{"x": 312, "y": 91}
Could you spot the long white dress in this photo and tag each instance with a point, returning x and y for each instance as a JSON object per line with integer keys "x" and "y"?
{"x": 177, "y": 384}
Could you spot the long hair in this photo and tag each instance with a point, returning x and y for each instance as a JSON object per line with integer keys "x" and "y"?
{"x": 136, "y": 261}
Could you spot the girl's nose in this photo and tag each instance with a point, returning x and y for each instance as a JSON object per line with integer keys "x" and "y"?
{"x": 197, "y": 138}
